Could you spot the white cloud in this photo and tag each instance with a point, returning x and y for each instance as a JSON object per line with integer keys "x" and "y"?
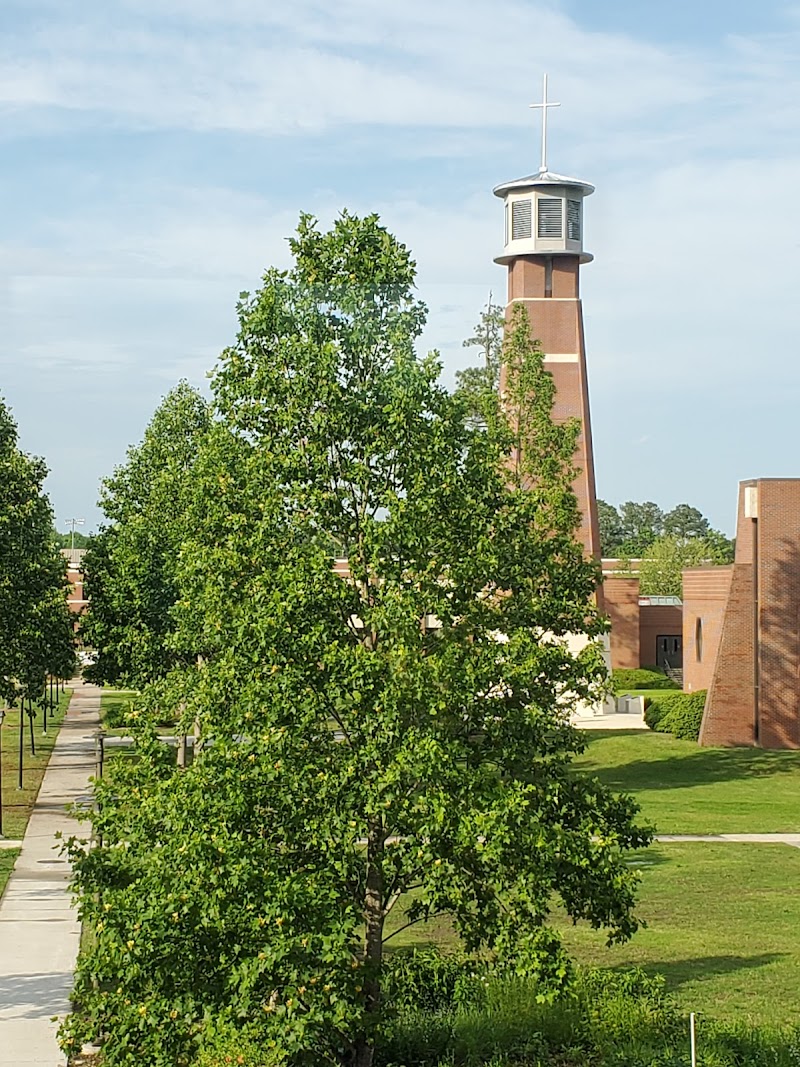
{"x": 694, "y": 225}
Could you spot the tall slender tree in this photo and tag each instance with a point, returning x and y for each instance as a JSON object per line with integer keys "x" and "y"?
{"x": 34, "y": 630}
{"x": 131, "y": 564}
{"x": 393, "y": 737}
{"x": 478, "y": 386}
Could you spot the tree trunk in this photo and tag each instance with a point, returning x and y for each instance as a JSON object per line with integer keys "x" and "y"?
{"x": 373, "y": 937}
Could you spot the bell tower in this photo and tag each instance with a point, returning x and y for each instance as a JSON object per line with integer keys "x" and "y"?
{"x": 544, "y": 252}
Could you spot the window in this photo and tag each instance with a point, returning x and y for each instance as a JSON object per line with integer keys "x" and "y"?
{"x": 520, "y": 220}
{"x": 698, "y": 640}
{"x": 550, "y": 223}
{"x": 573, "y": 220}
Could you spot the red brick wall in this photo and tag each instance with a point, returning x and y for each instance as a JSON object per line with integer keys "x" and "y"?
{"x": 728, "y": 717}
{"x": 705, "y": 596}
{"x": 779, "y": 612}
{"x": 621, "y": 602}
{"x": 557, "y": 323}
{"x": 754, "y": 697}
{"x": 656, "y": 620}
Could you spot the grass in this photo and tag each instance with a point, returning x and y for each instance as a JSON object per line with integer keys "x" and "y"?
{"x": 723, "y": 927}
{"x": 114, "y": 704}
{"x": 685, "y": 789}
{"x": 18, "y": 803}
{"x": 7, "y": 859}
{"x": 723, "y": 919}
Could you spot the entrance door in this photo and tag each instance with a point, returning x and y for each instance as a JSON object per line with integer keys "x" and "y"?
{"x": 669, "y": 651}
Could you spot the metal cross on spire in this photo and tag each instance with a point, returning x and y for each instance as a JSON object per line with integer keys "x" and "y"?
{"x": 545, "y": 104}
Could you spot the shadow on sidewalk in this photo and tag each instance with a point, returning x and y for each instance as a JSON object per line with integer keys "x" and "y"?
{"x": 31, "y": 996}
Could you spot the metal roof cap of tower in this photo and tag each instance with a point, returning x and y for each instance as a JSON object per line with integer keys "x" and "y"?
{"x": 546, "y": 177}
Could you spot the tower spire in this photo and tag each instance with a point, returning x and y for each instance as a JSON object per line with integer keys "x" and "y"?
{"x": 545, "y": 104}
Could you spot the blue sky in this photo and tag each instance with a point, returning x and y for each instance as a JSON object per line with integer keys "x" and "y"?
{"x": 156, "y": 154}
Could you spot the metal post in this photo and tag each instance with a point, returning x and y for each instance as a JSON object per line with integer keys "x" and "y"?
{"x": 692, "y": 1040}
{"x": 21, "y": 738}
{"x": 31, "y": 714}
{"x": 44, "y": 708}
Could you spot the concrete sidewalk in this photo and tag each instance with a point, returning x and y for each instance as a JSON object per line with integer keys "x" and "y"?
{"x": 739, "y": 839}
{"x": 615, "y": 721}
{"x": 39, "y": 931}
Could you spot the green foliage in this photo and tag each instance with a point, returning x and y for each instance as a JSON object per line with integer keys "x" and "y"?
{"x": 353, "y": 758}
{"x": 608, "y": 1018}
{"x": 660, "y": 572}
{"x": 612, "y": 532}
{"x": 641, "y": 525}
{"x": 478, "y": 386}
{"x": 641, "y": 678}
{"x": 131, "y": 563}
{"x": 634, "y": 529}
{"x": 71, "y": 539}
{"x": 679, "y": 714}
{"x": 685, "y": 523}
{"x": 431, "y": 981}
{"x": 605, "y": 1017}
{"x": 720, "y": 548}
{"x": 36, "y": 635}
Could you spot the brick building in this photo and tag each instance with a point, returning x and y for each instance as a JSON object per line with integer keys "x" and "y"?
{"x": 737, "y": 631}
{"x": 76, "y": 598}
{"x": 646, "y": 631}
{"x": 750, "y": 648}
{"x": 543, "y": 252}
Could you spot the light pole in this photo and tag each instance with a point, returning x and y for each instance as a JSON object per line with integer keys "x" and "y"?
{"x": 72, "y": 523}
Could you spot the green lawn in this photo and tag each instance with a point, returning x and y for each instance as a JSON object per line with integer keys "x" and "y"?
{"x": 18, "y": 803}
{"x": 723, "y": 927}
{"x": 114, "y": 705}
{"x": 7, "y": 858}
{"x": 723, "y": 920}
{"x": 685, "y": 789}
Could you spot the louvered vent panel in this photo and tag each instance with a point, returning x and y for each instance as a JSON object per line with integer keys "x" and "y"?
{"x": 520, "y": 220}
{"x": 573, "y": 220}
{"x": 550, "y": 216}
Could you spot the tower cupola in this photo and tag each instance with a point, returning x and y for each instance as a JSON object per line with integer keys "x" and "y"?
{"x": 544, "y": 212}
{"x": 544, "y": 216}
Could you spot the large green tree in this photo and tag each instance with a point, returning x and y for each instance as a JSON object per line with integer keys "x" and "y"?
{"x": 663, "y": 562}
{"x": 131, "y": 564}
{"x": 35, "y": 631}
{"x": 633, "y": 529}
{"x": 393, "y": 739}
{"x": 612, "y": 534}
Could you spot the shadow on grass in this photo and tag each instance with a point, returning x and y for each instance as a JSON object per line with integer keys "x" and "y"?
{"x": 693, "y": 767}
{"x": 680, "y": 972}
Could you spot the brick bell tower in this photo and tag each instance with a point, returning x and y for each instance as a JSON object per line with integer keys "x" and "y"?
{"x": 544, "y": 252}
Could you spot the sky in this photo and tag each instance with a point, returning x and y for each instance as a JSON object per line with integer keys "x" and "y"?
{"x": 155, "y": 155}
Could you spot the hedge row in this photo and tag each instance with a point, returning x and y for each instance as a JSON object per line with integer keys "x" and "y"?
{"x": 679, "y": 714}
{"x": 641, "y": 678}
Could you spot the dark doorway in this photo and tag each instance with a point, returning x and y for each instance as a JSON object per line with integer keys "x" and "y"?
{"x": 669, "y": 652}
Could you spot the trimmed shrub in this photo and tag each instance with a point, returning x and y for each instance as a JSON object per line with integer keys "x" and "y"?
{"x": 679, "y": 714}
{"x": 642, "y": 678}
